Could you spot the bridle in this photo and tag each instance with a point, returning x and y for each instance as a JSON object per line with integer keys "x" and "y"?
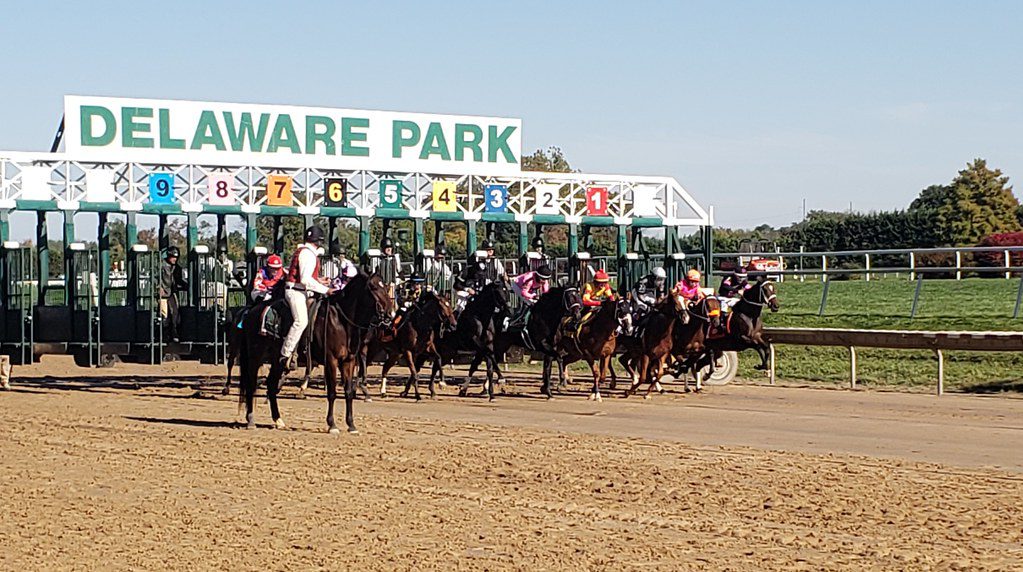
{"x": 762, "y": 301}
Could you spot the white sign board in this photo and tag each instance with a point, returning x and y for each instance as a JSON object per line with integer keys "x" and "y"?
{"x": 206, "y": 133}
{"x": 547, "y": 201}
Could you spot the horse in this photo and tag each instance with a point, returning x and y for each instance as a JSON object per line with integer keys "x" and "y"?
{"x": 593, "y": 341}
{"x": 425, "y": 322}
{"x": 687, "y": 338}
{"x": 336, "y": 331}
{"x": 744, "y": 327}
{"x": 477, "y": 325}
{"x": 646, "y": 353}
{"x": 570, "y": 303}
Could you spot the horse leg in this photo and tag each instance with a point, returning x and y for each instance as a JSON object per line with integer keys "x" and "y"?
{"x": 476, "y": 361}
{"x": 419, "y": 367}
{"x": 610, "y": 369}
{"x": 545, "y": 388}
{"x": 330, "y": 379}
{"x": 644, "y": 365}
{"x": 273, "y": 387}
{"x": 230, "y": 366}
{"x": 595, "y": 366}
{"x": 388, "y": 364}
{"x": 658, "y": 369}
{"x": 362, "y": 376}
{"x": 413, "y": 376}
{"x": 247, "y": 395}
{"x": 348, "y": 376}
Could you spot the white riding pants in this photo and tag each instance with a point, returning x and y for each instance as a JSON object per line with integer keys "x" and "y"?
{"x": 296, "y": 300}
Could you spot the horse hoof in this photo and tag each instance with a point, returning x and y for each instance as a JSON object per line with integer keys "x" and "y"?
{"x": 492, "y": 399}
{"x": 225, "y": 391}
{"x": 353, "y": 431}
{"x": 334, "y": 431}
{"x": 646, "y": 397}
{"x": 279, "y": 424}
{"x": 419, "y": 398}
{"x": 433, "y": 396}
{"x": 461, "y": 394}
{"x": 599, "y": 398}
{"x": 368, "y": 399}
{"x": 250, "y": 426}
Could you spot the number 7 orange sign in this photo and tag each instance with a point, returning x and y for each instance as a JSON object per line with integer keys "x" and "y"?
{"x": 278, "y": 191}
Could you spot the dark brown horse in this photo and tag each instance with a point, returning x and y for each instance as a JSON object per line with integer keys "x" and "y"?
{"x": 744, "y": 327}
{"x": 645, "y": 355}
{"x": 337, "y": 331}
{"x": 424, "y": 324}
{"x": 593, "y": 342}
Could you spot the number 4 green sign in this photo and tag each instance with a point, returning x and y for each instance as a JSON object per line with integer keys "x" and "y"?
{"x": 390, "y": 193}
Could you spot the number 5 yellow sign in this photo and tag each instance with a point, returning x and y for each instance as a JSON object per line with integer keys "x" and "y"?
{"x": 444, "y": 197}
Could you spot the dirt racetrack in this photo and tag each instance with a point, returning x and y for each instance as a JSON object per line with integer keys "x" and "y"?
{"x": 122, "y": 471}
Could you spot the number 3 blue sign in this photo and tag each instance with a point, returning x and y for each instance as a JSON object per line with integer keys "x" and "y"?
{"x": 161, "y": 189}
{"x": 497, "y": 198}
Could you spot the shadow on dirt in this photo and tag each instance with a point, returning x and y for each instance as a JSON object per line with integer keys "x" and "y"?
{"x": 187, "y": 422}
{"x": 1001, "y": 386}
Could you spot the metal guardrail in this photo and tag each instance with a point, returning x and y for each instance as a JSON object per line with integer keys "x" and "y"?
{"x": 893, "y": 339}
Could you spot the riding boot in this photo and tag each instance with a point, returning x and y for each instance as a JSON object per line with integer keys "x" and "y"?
{"x": 287, "y": 362}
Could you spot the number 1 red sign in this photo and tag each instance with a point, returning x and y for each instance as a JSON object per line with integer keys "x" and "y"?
{"x": 596, "y": 201}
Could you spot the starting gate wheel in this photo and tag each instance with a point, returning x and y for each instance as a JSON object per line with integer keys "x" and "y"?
{"x": 724, "y": 369}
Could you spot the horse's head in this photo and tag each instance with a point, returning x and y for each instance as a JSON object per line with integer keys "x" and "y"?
{"x": 447, "y": 315}
{"x": 376, "y": 291}
{"x": 769, "y": 296}
{"x": 496, "y": 294}
{"x": 623, "y": 310}
{"x": 571, "y": 301}
{"x": 712, "y": 307}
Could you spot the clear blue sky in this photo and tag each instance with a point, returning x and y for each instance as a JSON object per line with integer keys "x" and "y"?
{"x": 752, "y": 106}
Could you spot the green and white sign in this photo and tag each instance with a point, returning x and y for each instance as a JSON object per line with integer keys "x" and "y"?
{"x": 112, "y": 129}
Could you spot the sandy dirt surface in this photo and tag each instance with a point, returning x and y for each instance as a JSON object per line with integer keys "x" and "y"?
{"x": 107, "y": 469}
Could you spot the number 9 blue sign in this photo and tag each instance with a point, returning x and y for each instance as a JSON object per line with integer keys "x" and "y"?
{"x": 161, "y": 189}
{"x": 497, "y": 198}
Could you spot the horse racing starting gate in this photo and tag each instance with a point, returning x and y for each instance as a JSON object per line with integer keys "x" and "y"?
{"x": 133, "y": 158}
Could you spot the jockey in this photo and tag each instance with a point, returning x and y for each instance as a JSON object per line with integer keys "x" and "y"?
{"x": 649, "y": 289}
{"x": 302, "y": 282}
{"x": 268, "y": 276}
{"x": 471, "y": 280}
{"x": 732, "y": 288}
{"x": 346, "y": 271}
{"x": 416, "y": 284}
{"x": 594, "y": 293}
{"x": 688, "y": 289}
{"x": 531, "y": 285}
{"x": 438, "y": 273}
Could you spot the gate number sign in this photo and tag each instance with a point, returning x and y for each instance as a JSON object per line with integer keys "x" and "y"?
{"x": 390, "y": 193}
{"x": 547, "y": 198}
{"x": 497, "y": 198}
{"x": 596, "y": 201}
{"x": 335, "y": 192}
{"x": 161, "y": 189}
{"x": 444, "y": 197}
{"x": 278, "y": 191}
{"x": 221, "y": 191}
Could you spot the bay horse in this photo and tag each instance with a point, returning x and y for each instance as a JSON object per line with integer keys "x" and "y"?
{"x": 475, "y": 331}
{"x": 593, "y": 341}
{"x": 744, "y": 326}
{"x": 336, "y": 332}
{"x": 428, "y": 320}
{"x": 646, "y": 354}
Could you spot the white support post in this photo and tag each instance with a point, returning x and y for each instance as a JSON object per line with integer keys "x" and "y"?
{"x": 1007, "y": 265}
{"x": 824, "y": 268}
{"x": 912, "y": 266}
{"x": 773, "y": 373}
{"x": 959, "y": 265}
{"x": 802, "y": 277}
{"x": 867, "y": 255}
{"x": 941, "y": 372}
{"x": 852, "y": 367}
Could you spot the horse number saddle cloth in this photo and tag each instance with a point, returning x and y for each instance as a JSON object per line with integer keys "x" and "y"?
{"x": 570, "y": 326}
{"x": 271, "y": 319}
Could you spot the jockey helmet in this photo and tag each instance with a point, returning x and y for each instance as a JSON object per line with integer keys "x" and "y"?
{"x": 544, "y": 272}
{"x": 740, "y": 272}
{"x": 601, "y": 276}
{"x": 172, "y": 252}
{"x": 441, "y": 250}
{"x": 274, "y": 261}
{"x": 538, "y": 242}
{"x": 487, "y": 244}
{"x": 386, "y": 242}
{"x": 314, "y": 235}
{"x": 417, "y": 278}
{"x": 693, "y": 275}
{"x": 660, "y": 273}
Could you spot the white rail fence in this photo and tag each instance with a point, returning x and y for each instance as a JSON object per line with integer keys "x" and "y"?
{"x": 939, "y": 342}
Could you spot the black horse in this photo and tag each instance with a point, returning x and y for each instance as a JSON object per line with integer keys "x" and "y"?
{"x": 744, "y": 327}
{"x": 477, "y": 327}
{"x": 337, "y": 331}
